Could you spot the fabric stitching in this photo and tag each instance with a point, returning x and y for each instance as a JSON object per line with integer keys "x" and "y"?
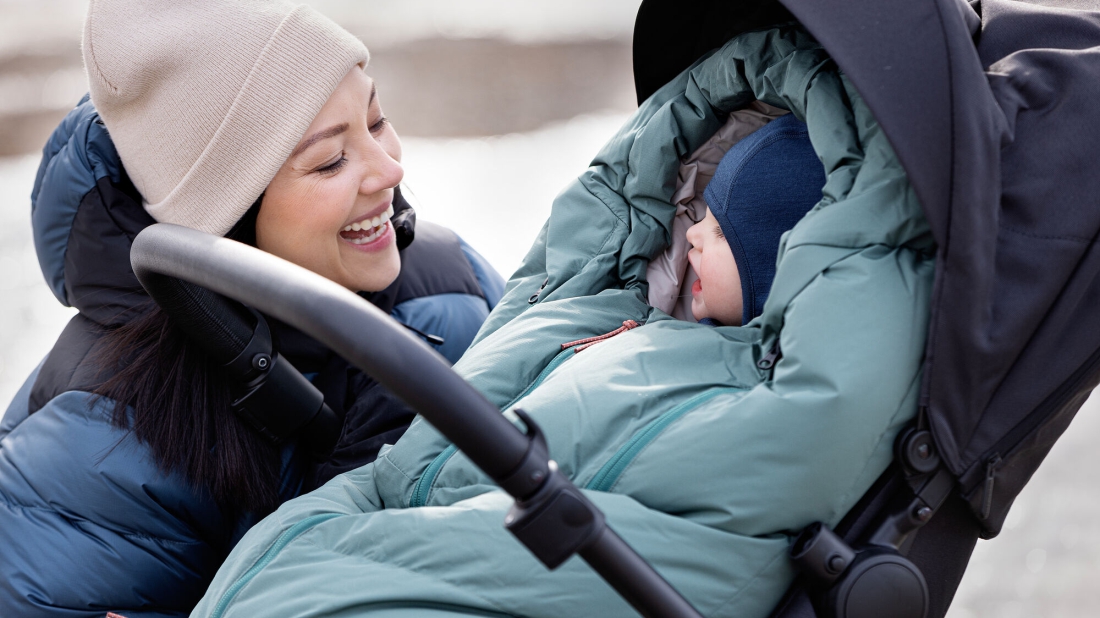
{"x": 79, "y": 524}
{"x": 749, "y": 584}
{"x": 605, "y": 202}
{"x": 924, "y": 397}
{"x": 914, "y": 384}
{"x": 1076, "y": 239}
{"x": 439, "y": 576}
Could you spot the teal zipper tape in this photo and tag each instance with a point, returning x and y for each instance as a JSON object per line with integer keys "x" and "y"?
{"x": 284, "y": 539}
{"x": 608, "y": 474}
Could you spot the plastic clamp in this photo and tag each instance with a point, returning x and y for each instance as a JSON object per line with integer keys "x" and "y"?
{"x": 555, "y": 519}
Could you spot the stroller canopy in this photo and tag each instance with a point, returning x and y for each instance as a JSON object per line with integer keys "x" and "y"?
{"x": 991, "y": 108}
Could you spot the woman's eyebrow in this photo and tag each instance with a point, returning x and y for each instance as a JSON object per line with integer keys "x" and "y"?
{"x": 332, "y": 131}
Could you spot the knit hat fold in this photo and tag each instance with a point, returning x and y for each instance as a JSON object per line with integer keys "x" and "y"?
{"x": 764, "y": 185}
{"x": 206, "y": 100}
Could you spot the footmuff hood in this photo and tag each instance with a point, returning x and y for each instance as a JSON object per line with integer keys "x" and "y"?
{"x": 990, "y": 106}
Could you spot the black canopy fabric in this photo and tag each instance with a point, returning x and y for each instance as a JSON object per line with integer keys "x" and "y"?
{"x": 993, "y": 108}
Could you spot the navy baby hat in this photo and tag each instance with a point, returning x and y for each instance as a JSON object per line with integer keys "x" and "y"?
{"x": 763, "y": 186}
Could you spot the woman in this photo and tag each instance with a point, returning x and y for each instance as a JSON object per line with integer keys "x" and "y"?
{"x": 125, "y": 478}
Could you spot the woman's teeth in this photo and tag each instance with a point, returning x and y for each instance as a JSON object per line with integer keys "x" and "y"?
{"x": 370, "y": 237}
{"x": 370, "y": 224}
{"x": 370, "y": 229}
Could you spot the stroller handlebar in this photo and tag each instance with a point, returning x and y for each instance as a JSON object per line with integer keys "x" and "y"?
{"x": 552, "y": 517}
{"x": 338, "y": 318}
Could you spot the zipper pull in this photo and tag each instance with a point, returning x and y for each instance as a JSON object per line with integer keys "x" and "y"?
{"x": 769, "y": 359}
{"x": 432, "y": 339}
{"x": 583, "y": 344}
{"x": 987, "y": 490}
{"x": 535, "y": 297}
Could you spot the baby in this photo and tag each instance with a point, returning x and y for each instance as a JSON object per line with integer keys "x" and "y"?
{"x": 763, "y": 186}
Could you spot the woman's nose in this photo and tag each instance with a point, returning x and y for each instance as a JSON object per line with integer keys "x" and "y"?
{"x": 383, "y": 170}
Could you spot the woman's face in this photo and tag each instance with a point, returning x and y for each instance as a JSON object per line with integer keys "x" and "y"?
{"x": 328, "y": 207}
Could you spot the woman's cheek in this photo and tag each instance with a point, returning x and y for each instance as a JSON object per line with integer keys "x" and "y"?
{"x": 329, "y": 205}
{"x": 393, "y": 149}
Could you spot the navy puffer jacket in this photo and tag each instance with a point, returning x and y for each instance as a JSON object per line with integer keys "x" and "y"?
{"x": 88, "y": 524}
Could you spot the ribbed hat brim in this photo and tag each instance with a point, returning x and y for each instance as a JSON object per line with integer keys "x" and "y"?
{"x": 284, "y": 92}
{"x": 206, "y": 99}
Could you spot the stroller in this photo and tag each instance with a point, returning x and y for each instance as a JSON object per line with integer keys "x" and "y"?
{"x": 963, "y": 98}
{"x": 1003, "y": 375}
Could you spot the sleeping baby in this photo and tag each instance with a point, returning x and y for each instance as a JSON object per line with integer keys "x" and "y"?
{"x": 764, "y": 184}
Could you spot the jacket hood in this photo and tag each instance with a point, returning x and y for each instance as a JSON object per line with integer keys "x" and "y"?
{"x": 85, "y": 214}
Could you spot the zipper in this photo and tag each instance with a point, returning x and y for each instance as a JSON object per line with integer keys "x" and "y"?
{"x": 993, "y": 458}
{"x": 545, "y": 373}
{"x": 535, "y": 297}
{"x": 284, "y": 539}
{"x": 987, "y": 489}
{"x": 430, "y": 338}
{"x": 768, "y": 360}
{"x": 609, "y": 474}
{"x": 423, "y": 485}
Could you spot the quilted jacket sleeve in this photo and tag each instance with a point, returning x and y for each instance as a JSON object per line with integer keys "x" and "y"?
{"x": 88, "y": 524}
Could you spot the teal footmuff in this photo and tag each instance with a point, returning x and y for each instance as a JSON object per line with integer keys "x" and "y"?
{"x": 705, "y": 459}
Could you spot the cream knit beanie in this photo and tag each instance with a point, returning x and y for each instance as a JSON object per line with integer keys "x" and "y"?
{"x": 206, "y": 99}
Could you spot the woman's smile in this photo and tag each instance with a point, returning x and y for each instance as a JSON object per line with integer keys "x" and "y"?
{"x": 370, "y": 233}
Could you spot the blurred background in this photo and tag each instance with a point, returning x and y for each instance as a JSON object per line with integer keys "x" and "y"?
{"x": 499, "y": 104}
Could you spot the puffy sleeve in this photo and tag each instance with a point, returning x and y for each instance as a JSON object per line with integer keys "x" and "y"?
{"x": 89, "y": 525}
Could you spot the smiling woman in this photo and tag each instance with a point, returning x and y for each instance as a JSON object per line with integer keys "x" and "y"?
{"x": 329, "y": 205}
{"x": 126, "y": 475}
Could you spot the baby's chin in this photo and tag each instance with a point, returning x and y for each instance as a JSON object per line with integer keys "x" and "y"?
{"x": 698, "y": 309}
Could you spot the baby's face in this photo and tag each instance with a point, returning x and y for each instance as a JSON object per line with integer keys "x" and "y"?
{"x": 717, "y": 293}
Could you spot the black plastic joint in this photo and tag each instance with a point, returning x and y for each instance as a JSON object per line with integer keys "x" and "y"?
{"x": 551, "y": 516}
{"x": 280, "y": 402}
{"x": 276, "y": 400}
{"x": 556, "y": 522}
{"x": 821, "y": 554}
{"x": 534, "y": 468}
{"x": 255, "y": 359}
{"x": 874, "y": 582}
{"x": 916, "y": 450}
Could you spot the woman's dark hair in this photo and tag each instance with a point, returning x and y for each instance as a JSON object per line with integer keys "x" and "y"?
{"x": 173, "y": 397}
